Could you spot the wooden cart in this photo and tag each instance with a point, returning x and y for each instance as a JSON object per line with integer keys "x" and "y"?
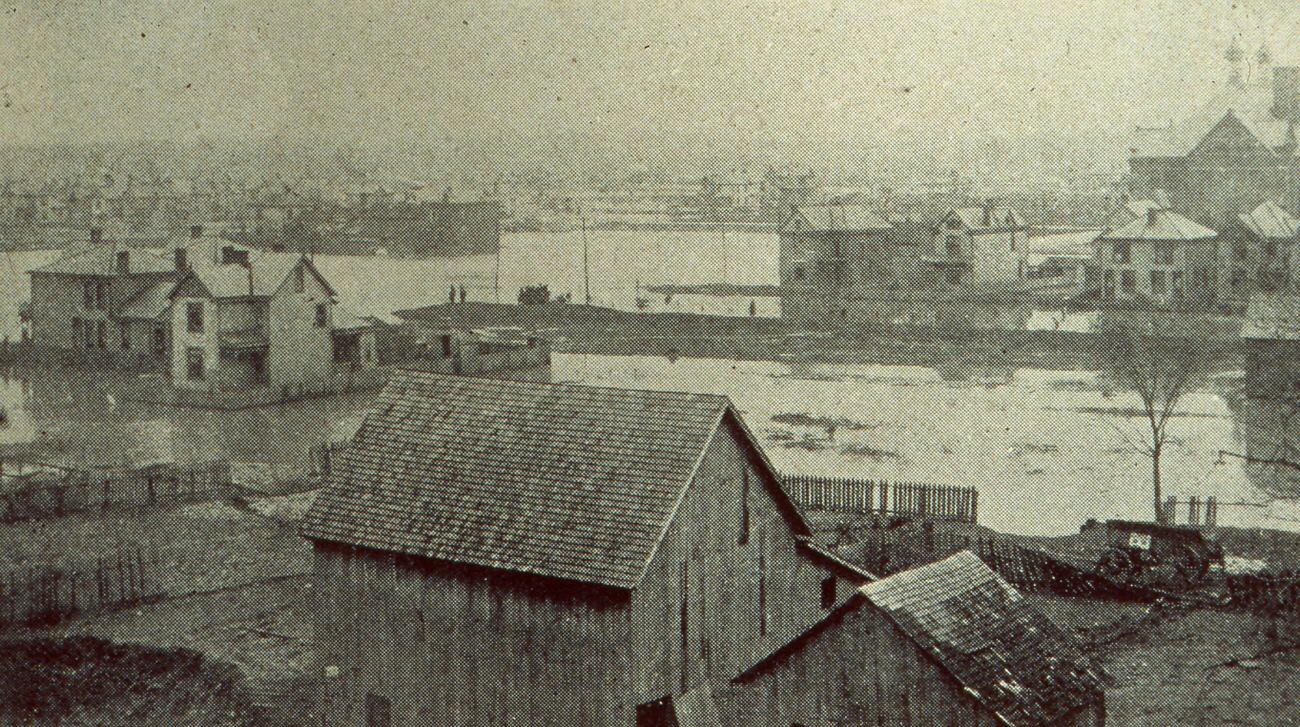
{"x": 1138, "y": 550}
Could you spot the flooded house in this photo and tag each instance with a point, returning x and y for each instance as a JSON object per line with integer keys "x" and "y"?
{"x": 266, "y": 319}
{"x": 1161, "y": 257}
{"x": 1270, "y": 337}
{"x": 1258, "y": 254}
{"x": 980, "y": 246}
{"x": 211, "y": 314}
{"x": 501, "y": 552}
{"x": 76, "y": 301}
{"x": 948, "y": 643}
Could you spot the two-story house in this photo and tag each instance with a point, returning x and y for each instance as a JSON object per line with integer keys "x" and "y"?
{"x": 1257, "y": 254}
{"x": 1161, "y": 258}
{"x": 254, "y": 318}
{"x": 75, "y": 300}
{"x": 981, "y": 246}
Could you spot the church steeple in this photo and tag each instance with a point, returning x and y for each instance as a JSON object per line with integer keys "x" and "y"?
{"x": 1234, "y": 55}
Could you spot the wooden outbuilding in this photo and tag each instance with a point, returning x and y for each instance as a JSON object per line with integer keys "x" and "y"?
{"x": 950, "y": 643}
{"x": 496, "y": 552}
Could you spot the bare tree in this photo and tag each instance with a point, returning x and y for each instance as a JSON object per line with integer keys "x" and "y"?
{"x": 1160, "y": 362}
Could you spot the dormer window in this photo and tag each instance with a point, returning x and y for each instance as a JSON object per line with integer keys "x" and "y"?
{"x": 299, "y": 280}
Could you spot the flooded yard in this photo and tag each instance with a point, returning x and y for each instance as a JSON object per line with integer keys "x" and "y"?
{"x": 1047, "y": 449}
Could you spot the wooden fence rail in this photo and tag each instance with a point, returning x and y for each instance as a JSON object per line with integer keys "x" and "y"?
{"x": 45, "y": 596}
{"x": 46, "y": 495}
{"x": 910, "y": 499}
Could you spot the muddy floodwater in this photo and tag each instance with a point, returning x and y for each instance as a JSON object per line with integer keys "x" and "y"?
{"x": 1047, "y": 449}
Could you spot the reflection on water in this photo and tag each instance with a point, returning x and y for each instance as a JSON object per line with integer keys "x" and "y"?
{"x": 67, "y": 417}
{"x": 1048, "y": 449}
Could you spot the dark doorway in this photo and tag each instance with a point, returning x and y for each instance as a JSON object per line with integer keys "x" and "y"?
{"x": 658, "y": 713}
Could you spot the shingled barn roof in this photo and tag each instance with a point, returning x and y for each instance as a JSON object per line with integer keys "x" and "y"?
{"x": 1005, "y": 653}
{"x": 556, "y": 480}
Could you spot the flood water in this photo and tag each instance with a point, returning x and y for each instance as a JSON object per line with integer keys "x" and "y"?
{"x": 1048, "y": 449}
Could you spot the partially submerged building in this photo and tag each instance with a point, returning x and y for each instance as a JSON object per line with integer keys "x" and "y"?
{"x": 950, "y": 643}
{"x": 1258, "y": 254}
{"x": 492, "y": 552}
{"x": 1161, "y": 258}
{"x": 980, "y": 246}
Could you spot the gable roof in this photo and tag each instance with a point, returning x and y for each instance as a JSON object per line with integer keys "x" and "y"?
{"x": 264, "y": 275}
{"x": 1270, "y": 222}
{"x": 1250, "y": 104}
{"x": 1004, "y": 652}
{"x": 149, "y": 303}
{"x": 834, "y": 218}
{"x": 1166, "y": 225}
{"x": 986, "y": 218}
{"x": 557, "y": 480}
{"x": 101, "y": 259}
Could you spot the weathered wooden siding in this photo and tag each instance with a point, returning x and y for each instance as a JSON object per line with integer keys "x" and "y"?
{"x": 703, "y": 569}
{"x": 454, "y": 650}
{"x": 860, "y": 671}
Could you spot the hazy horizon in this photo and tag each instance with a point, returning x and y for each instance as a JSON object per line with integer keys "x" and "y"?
{"x": 817, "y": 84}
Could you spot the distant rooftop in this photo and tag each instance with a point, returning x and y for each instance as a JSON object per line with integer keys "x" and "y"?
{"x": 1159, "y": 224}
{"x": 835, "y": 218}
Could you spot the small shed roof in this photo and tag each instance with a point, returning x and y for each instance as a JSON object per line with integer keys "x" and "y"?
{"x": 1162, "y": 224}
{"x": 835, "y": 218}
{"x": 557, "y": 480}
{"x": 1270, "y": 222}
{"x": 1005, "y": 653}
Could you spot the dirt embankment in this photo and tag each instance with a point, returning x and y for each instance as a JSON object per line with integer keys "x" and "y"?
{"x": 87, "y": 681}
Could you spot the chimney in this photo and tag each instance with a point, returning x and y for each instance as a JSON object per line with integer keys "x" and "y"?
{"x": 181, "y": 259}
{"x": 96, "y": 235}
{"x": 196, "y": 231}
{"x": 124, "y": 262}
{"x": 1286, "y": 93}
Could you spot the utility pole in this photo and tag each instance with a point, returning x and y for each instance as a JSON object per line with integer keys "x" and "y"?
{"x": 586, "y": 267}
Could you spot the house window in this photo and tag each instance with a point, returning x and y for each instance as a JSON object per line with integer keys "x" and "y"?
{"x": 379, "y": 711}
{"x": 123, "y": 262}
{"x": 1165, "y": 253}
{"x": 828, "y": 592}
{"x": 89, "y": 331}
{"x": 194, "y": 317}
{"x": 101, "y": 295}
{"x": 1123, "y": 252}
{"x": 446, "y": 346}
{"x": 194, "y": 364}
{"x": 88, "y": 295}
{"x": 1176, "y": 284}
{"x": 953, "y": 246}
{"x": 797, "y": 273}
{"x": 299, "y": 281}
{"x": 159, "y": 340}
{"x": 76, "y": 329}
{"x": 1239, "y": 252}
{"x": 124, "y": 330}
{"x": 322, "y": 315}
{"x": 101, "y": 335}
{"x": 1128, "y": 281}
{"x": 744, "y": 504}
{"x": 1158, "y": 282}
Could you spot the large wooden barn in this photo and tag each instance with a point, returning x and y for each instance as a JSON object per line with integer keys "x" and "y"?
{"x": 950, "y": 643}
{"x": 493, "y": 552}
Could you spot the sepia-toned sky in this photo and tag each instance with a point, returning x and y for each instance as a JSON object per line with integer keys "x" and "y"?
{"x": 779, "y": 75}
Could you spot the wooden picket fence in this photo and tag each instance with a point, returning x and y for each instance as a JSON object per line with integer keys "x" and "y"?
{"x": 54, "y": 493}
{"x": 48, "y": 595}
{"x": 905, "y": 499}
